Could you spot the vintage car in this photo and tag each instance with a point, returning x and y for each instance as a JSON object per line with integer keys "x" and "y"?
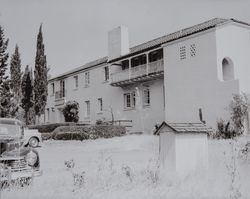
{"x": 16, "y": 161}
{"x": 32, "y": 138}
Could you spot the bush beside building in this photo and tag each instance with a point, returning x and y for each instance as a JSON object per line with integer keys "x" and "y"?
{"x": 87, "y": 132}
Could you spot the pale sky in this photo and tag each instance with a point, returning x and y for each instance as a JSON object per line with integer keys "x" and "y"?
{"x": 75, "y": 31}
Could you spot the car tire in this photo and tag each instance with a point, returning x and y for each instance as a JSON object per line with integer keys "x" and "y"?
{"x": 33, "y": 142}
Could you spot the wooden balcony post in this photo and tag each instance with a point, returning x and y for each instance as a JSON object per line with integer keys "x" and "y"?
{"x": 129, "y": 68}
{"x": 147, "y": 67}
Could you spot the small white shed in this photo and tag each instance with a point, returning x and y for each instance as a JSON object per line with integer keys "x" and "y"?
{"x": 183, "y": 146}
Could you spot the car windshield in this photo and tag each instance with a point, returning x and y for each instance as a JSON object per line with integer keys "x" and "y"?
{"x": 10, "y": 129}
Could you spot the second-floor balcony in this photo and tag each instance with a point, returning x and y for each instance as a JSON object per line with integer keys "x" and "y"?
{"x": 60, "y": 98}
{"x": 139, "y": 73}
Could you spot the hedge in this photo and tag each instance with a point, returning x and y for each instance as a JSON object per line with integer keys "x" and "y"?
{"x": 87, "y": 132}
{"x": 48, "y": 128}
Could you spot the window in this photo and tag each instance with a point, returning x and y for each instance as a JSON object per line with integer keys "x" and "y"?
{"x": 76, "y": 81}
{"x": 129, "y": 100}
{"x": 52, "y": 88}
{"x": 100, "y": 103}
{"x": 140, "y": 60}
{"x": 125, "y": 64}
{"x": 87, "y": 79}
{"x": 155, "y": 55}
{"x": 87, "y": 108}
{"x": 192, "y": 50}
{"x": 146, "y": 97}
{"x": 183, "y": 52}
{"x": 62, "y": 89}
{"x": 227, "y": 69}
{"x": 106, "y": 73}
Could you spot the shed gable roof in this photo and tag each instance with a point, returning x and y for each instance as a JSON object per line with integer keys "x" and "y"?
{"x": 185, "y": 128}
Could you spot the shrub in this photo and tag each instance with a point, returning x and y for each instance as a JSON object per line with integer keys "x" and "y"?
{"x": 87, "y": 132}
{"x": 48, "y": 128}
{"x": 224, "y": 130}
{"x": 239, "y": 107}
{"x": 70, "y": 111}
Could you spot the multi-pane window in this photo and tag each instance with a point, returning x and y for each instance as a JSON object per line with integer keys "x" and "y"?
{"x": 140, "y": 60}
{"x": 192, "y": 50}
{"x": 146, "y": 97}
{"x": 62, "y": 89}
{"x": 155, "y": 55}
{"x": 87, "y": 108}
{"x": 183, "y": 52}
{"x": 129, "y": 100}
{"x": 106, "y": 73}
{"x": 52, "y": 88}
{"x": 87, "y": 79}
{"x": 100, "y": 104}
{"x": 76, "y": 81}
{"x": 125, "y": 64}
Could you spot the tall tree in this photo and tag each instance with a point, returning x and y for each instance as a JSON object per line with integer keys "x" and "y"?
{"x": 7, "y": 105}
{"x": 40, "y": 81}
{"x": 5, "y": 92}
{"x": 15, "y": 73}
{"x": 27, "y": 93}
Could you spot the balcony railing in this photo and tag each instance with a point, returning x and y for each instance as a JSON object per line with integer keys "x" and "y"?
{"x": 138, "y": 71}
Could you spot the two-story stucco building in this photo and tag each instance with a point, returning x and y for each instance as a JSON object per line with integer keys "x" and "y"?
{"x": 176, "y": 78}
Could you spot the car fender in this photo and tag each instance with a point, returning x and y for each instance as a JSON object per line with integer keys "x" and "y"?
{"x": 29, "y": 133}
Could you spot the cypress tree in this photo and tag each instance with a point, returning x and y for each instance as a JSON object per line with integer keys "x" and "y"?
{"x": 40, "y": 80}
{"x": 5, "y": 92}
{"x": 15, "y": 73}
{"x": 27, "y": 93}
{"x": 3, "y": 57}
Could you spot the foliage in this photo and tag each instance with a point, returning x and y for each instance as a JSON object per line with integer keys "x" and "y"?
{"x": 27, "y": 93}
{"x": 5, "y": 95}
{"x": 102, "y": 122}
{"x": 233, "y": 171}
{"x": 87, "y": 132}
{"x": 70, "y": 164}
{"x": 70, "y": 111}
{"x": 40, "y": 81}
{"x": 15, "y": 73}
{"x": 3, "y": 57}
{"x": 7, "y": 105}
{"x": 239, "y": 107}
{"x": 48, "y": 128}
{"x": 224, "y": 130}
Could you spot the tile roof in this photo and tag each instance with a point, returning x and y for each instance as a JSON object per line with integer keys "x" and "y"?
{"x": 178, "y": 34}
{"x": 185, "y": 128}
{"x": 157, "y": 42}
{"x": 83, "y": 67}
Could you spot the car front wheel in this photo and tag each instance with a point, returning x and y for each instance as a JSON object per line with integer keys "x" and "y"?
{"x": 33, "y": 142}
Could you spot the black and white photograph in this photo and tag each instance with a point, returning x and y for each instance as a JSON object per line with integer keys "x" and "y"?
{"x": 124, "y": 99}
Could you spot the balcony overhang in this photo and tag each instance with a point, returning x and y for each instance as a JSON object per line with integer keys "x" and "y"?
{"x": 144, "y": 78}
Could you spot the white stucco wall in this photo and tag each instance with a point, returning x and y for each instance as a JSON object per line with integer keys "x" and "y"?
{"x": 233, "y": 41}
{"x": 191, "y": 152}
{"x": 167, "y": 151}
{"x": 144, "y": 117}
{"x": 193, "y": 83}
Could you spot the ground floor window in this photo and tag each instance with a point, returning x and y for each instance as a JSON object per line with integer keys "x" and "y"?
{"x": 100, "y": 103}
{"x": 146, "y": 97}
{"x": 129, "y": 100}
{"x": 87, "y": 108}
